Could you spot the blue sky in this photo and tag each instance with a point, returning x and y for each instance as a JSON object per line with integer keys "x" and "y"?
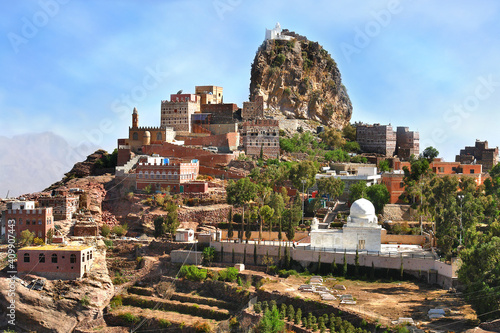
{"x": 77, "y": 68}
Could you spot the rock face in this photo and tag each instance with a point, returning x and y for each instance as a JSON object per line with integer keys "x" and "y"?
{"x": 299, "y": 79}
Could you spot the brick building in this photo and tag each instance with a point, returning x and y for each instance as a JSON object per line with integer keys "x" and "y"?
{"x": 407, "y": 143}
{"x": 210, "y": 94}
{"x": 162, "y": 173}
{"x": 56, "y": 262}
{"x": 253, "y": 109}
{"x": 381, "y": 139}
{"x": 394, "y": 180}
{"x": 261, "y": 134}
{"x": 480, "y": 154}
{"x": 177, "y": 112}
{"x": 63, "y": 206}
{"x": 221, "y": 113}
{"x": 38, "y": 221}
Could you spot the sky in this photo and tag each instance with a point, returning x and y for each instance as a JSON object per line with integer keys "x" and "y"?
{"x": 76, "y": 69}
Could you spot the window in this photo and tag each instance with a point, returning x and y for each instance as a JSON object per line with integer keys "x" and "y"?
{"x": 72, "y": 258}
{"x": 40, "y": 234}
{"x": 158, "y": 136}
{"x": 135, "y": 136}
{"x": 26, "y": 257}
{"x": 471, "y": 170}
{"x": 83, "y": 257}
{"x": 40, "y": 222}
{"x": 140, "y": 174}
{"x": 27, "y": 222}
{"x": 361, "y": 244}
{"x": 54, "y": 258}
{"x": 41, "y": 257}
{"x": 441, "y": 169}
{"x": 90, "y": 254}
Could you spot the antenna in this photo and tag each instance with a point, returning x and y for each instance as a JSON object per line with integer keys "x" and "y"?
{"x": 7, "y": 196}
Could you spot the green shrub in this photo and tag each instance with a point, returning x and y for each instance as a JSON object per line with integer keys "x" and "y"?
{"x": 163, "y": 323}
{"x": 129, "y": 318}
{"x": 284, "y": 273}
{"x": 230, "y": 274}
{"x": 193, "y": 273}
{"x": 120, "y": 230}
{"x": 85, "y": 301}
{"x": 116, "y": 302}
{"x": 105, "y": 230}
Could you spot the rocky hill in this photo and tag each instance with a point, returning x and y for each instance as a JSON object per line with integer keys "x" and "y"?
{"x": 299, "y": 79}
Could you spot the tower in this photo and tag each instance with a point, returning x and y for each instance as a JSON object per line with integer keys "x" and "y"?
{"x": 135, "y": 118}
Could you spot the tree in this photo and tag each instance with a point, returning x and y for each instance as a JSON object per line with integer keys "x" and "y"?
{"x": 240, "y": 193}
{"x": 277, "y": 203}
{"x": 379, "y": 196}
{"x": 357, "y": 191}
{"x": 26, "y": 238}
{"x": 330, "y": 186}
{"x": 50, "y": 235}
{"x": 332, "y": 137}
{"x": 356, "y": 263}
{"x": 303, "y": 171}
{"x": 105, "y": 230}
{"x": 430, "y": 153}
{"x": 271, "y": 322}
{"x": 208, "y": 255}
{"x": 383, "y": 166}
{"x": 158, "y": 223}
{"x": 344, "y": 266}
{"x": 266, "y": 213}
{"x": 230, "y": 225}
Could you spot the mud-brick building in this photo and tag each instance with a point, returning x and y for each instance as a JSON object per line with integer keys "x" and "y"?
{"x": 38, "y": 221}
{"x": 176, "y": 174}
{"x": 56, "y": 262}
{"x": 253, "y": 109}
{"x": 261, "y": 134}
{"x": 382, "y": 139}
{"x": 480, "y": 153}
{"x": 63, "y": 206}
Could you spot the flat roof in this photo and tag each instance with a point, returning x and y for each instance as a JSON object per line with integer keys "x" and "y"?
{"x": 57, "y": 248}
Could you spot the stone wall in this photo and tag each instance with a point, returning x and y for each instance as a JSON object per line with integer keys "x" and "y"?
{"x": 86, "y": 230}
{"x": 206, "y": 215}
{"x": 396, "y": 212}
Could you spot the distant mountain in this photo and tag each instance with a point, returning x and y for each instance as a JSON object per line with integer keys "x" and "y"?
{"x": 30, "y": 162}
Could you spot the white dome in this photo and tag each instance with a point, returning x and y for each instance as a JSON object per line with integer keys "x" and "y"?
{"x": 362, "y": 208}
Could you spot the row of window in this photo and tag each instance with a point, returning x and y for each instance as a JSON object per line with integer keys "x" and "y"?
{"x": 262, "y": 144}
{"x": 34, "y": 222}
{"x": 54, "y": 257}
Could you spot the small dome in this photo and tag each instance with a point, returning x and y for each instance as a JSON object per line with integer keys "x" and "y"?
{"x": 135, "y": 111}
{"x": 147, "y": 134}
{"x": 362, "y": 208}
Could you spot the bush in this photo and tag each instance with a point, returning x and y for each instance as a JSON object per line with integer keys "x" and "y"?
{"x": 129, "y": 318}
{"x": 105, "y": 230}
{"x": 38, "y": 241}
{"x": 284, "y": 273}
{"x": 230, "y": 274}
{"x": 85, "y": 301}
{"x": 120, "y": 230}
{"x": 193, "y": 273}
{"x": 203, "y": 327}
{"x": 163, "y": 323}
{"x": 108, "y": 243}
{"x": 116, "y": 301}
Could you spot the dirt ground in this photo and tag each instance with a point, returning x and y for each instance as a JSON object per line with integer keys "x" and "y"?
{"x": 387, "y": 301}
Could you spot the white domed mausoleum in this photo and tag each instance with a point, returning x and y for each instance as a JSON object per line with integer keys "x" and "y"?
{"x": 361, "y": 232}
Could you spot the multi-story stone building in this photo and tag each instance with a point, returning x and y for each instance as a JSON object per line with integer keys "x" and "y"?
{"x": 407, "y": 143}
{"x": 261, "y": 135}
{"x": 254, "y": 109}
{"x": 162, "y": 173}
{"x": 39, "y": 221}
{"x": 210, "y": 94}
{"x": 221, "y": 113}
{"x": 63, "y": 206}
{"x": 381, "y": 139}
{"x": 55, "y": 262}
{"x": 480, "y": 154}
{"x": 177, "y": 112}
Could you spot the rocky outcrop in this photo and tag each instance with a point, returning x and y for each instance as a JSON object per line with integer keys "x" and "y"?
{"x": 299, "y": 79}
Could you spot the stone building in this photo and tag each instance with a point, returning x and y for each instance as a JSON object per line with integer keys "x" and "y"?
{"x": 362, "y": 231}
{"x": 56, "y": 262}
{"x": 162, "y": 173}
{"x": 381, "y": 139}
{"x": 210, "y": 94}
{"x": 63, "y": 206}
{"x": 39, "y": 221}
{"x": 407, "y": 143}
{"x": 254, "y": 109}
{"x": 221, "y": 113}
{"x": 177, "y": 112}
{"x": 480, "y": 154}
{"x": 261, "y": 134}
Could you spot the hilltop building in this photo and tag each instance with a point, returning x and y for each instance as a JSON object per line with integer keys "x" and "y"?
{"x": 276, "y": 33}
{"x": 55, "y": 262}
{"x": 253, "y": 109}
{"x": 37, "y": 220}
{"x": 362, "y": 231}
{"x": 261, "y": 135}
{"x": 381, "y": 139}
{"x": 351, "y": 174}
{"x": 480, "y": 154}
{"x": 63, "y": 206}
{"x": 210, "y": 94}
{"x": 177, "y": 112}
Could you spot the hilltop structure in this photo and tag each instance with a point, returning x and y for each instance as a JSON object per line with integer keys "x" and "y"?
{"x": 382, "y": 139}
{"x": 480, "y": 154}
{"x": 276, "y": 33}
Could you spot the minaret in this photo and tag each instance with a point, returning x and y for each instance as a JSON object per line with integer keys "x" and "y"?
{"x": 135, "y": 118}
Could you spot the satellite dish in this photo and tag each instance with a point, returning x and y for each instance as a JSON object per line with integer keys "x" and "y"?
{"x": 179, "y": 92}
